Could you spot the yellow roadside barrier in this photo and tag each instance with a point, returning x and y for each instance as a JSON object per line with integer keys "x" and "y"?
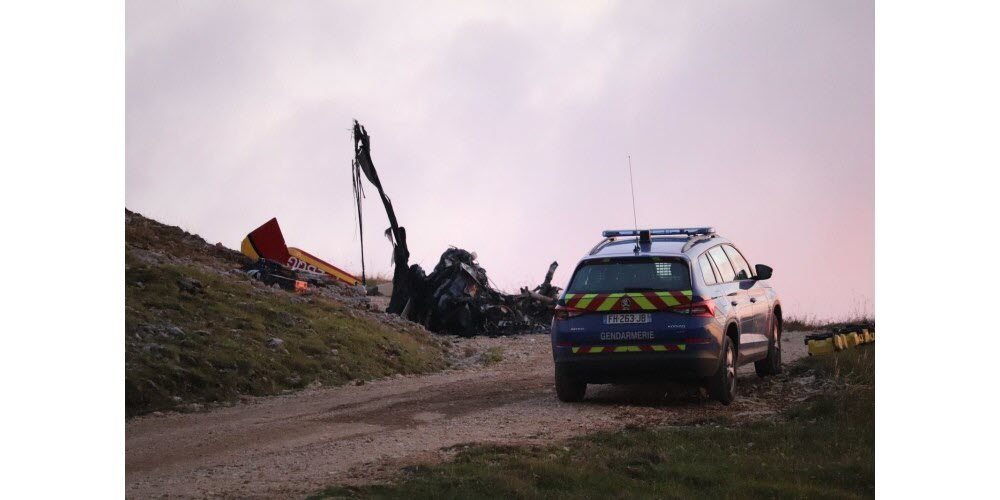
{"x": 839, "y": 342}
{"x": 852, "y": 339}
{"x": 870, "y": 334}
{"x": 839, "y": 339}
{"x": 824, "y": 346}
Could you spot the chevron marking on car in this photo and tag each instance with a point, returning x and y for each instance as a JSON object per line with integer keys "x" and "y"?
{"x": 603, "y": 349}
{"x": 642, "y": 301}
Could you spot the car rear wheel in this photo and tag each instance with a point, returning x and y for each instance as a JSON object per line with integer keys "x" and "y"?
{"x": 722, "y": 385}
{"x": 568, "y": 388}
{"x": 771, "y": 365}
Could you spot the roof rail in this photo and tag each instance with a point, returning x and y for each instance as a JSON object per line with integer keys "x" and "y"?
{"x": 690, "y": 231}
{"x": 697, "y": 235}
{"x": 601, "y": 244}
{"x": 697, "y": 239}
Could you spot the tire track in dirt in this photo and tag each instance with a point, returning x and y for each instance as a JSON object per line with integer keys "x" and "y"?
{"x": 296, "y": 444}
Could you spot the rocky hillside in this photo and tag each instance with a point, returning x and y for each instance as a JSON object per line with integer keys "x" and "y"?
{"x": 198, "y": 330}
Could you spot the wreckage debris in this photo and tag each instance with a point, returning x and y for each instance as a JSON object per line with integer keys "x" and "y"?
{"x": 396, "y": 234}
{"x": 456, "y": 296}
{"x": 546, "y": 289}
{"x": 267, "y": 242}
{"x": 273, "y": 273}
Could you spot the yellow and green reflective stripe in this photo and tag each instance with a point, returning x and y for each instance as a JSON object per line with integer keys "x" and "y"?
{"x": 585, "y": 301}
{"x": 607, "y": 304}
{"x": 642, "y": 301}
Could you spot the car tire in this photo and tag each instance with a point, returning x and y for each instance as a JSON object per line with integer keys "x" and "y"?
{"x": 771, "y": 365}
{"x": 569, "y": 389}
{"x": 722, "y": 385}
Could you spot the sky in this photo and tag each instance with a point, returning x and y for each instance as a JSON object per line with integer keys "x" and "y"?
{"x": 505, "y": 128}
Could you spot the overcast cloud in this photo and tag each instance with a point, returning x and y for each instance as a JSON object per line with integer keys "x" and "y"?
{"x": 504, "y": 128}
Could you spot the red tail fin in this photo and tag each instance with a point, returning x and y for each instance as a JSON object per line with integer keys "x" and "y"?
{"x": 266, "y": 242}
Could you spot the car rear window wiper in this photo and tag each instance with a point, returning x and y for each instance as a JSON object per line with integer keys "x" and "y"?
{"x": 639, "y": 289}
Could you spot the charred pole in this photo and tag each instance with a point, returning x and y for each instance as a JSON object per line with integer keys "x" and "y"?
{"x": 359, "y": 193}
{"x": 395, "y": 233}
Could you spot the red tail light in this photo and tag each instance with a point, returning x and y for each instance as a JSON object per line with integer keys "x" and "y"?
{"x": 563, "y": 312}
{"x": 704, "y": 309}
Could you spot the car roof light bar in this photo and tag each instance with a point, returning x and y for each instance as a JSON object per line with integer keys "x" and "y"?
{"x": 689, "y": 231}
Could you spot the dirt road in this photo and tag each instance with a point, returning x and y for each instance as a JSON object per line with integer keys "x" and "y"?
{"x": 296, "y": 444}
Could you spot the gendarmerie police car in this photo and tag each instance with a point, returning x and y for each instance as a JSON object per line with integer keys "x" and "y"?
{"x": 655, "y": 304}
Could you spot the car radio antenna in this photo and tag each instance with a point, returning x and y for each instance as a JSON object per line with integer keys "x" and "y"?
{"x": 635, "y": 220}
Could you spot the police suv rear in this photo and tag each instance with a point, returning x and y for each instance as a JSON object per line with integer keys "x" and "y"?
{"x": 646, "y": 306}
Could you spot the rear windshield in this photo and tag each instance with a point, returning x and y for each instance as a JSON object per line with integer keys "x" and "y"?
{"x": 631, "y": 275}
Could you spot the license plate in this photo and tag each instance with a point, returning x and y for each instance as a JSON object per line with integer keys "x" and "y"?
{"x": 627, "y": 319}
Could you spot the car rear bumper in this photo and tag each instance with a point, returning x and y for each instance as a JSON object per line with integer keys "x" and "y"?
{"x": 625, "y": 367}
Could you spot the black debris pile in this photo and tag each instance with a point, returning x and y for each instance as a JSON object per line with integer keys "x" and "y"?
{"x": 273, "y": 273}
{"x": 456, "y": 298}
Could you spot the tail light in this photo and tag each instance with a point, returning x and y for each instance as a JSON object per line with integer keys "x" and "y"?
{"x": 563, "y": 312}
{"x": 704, "y": 309}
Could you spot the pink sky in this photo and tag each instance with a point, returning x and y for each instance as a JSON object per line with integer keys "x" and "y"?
{"x": 505, "y": 129}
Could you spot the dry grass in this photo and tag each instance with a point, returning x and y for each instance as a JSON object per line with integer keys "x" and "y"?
{"x": 377, "y": 278}
{"x": 822, "y": 448}
{"x": 807, "y": 323}
{"x": 861, "y": 311}
{"x": 183, "y": 348}
{"x": 491, "y": 356}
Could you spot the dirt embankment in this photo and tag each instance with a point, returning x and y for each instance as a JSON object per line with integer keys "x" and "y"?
{"x": 296, "y": 444}
{"x": 199, "y": 330}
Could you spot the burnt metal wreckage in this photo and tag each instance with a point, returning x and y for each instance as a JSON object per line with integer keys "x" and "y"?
{"x": 457, "y": 296}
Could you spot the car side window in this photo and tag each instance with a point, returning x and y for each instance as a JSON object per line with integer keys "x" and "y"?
{"x": 722, "y": 262}
{"x": 715, "y": 269}
{"x": 739, "y": 263}
{"x": 706, "y": 270}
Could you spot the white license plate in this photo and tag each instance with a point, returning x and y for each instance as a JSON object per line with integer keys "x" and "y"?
{"x": 627, "y": 319}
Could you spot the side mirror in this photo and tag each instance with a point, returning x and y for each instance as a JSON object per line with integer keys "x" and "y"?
{"x": 763, "y": 272}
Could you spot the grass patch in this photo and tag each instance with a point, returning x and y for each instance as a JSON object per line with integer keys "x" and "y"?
{"x": 215, "y": 345}
{"x": 810, "y": 322}
{"x": 491, "y": 356}
{"x": 853, "y": 367}
{"x": 823, "y": 448}
{"x": 803, "y": 323}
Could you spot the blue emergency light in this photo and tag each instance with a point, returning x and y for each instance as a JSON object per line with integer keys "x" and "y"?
{"x": 690, "y": 231}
